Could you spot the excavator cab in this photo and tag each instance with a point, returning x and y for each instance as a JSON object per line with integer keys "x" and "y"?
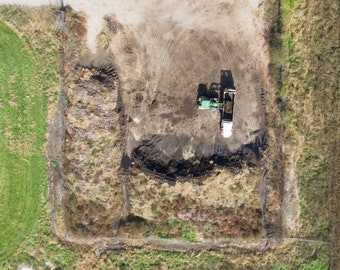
{"x": 205, "y": 103}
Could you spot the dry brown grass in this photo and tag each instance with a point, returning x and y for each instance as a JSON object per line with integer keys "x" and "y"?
{"x": 310, "y": 86}
{"x": 312, "y": 119}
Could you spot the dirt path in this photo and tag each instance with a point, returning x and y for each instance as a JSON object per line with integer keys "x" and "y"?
{"x": 291, "y": 202}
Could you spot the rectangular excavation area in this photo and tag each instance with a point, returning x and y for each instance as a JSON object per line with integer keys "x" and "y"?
{"x": 141, "y": 159}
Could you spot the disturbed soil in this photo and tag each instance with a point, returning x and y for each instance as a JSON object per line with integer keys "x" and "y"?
{"x": 167, "y": 132}
{"x": 138, "y": 152}
{"x": 92, "y": 122}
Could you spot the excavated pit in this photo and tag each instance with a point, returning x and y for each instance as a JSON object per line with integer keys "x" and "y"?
{"x": 138, "y": 151}
{"x": 164, "y": 65}
{"x": 96, "y": 155}
{"x": 162, "y": 156}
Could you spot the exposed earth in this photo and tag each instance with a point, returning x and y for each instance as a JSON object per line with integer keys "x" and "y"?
{"x": 133, "y": 127}
{"x": 164, "y": 54}
{"x": 152, "y": 54}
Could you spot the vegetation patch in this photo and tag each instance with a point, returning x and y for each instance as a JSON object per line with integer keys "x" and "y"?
{"x": 310, "y": 117}
{"x": 187, "y": 231}
{"x": 22, "y": 127}
{"x": 28, "y": 81}
{"x": 41, "y": 249}
{"x": 161, "y": 260}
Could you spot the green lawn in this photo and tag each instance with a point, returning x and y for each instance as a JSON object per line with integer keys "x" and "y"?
{"x": 22, "y": 128}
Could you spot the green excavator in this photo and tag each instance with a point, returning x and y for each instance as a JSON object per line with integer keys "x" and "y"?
{"x": 224, "y": 102}
{"x": 205, "y": 103}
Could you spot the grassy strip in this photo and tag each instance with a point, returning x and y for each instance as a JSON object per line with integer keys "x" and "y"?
{"x": 303, "y": 50}
{"x": 290, "y": 256}
{"x": 29, "y": 78}
{"x": 313, "y": 265}
{"x": 22, "y": 127}
{"x": 309, "y": 86}
{"x": 144, "y": 260}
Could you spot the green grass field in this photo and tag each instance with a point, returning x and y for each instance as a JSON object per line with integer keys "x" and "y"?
{"x": 22, "y": 128}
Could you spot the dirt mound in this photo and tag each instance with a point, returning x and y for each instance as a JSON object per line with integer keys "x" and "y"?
{"x": 163, "y": 156}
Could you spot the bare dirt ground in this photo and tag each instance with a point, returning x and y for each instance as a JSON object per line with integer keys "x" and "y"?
{"x": 163, "y": 57}
{"x": 163, "y": 51}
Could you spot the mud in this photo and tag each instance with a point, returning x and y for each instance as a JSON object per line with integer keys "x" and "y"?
{"x": 162, "y": 155}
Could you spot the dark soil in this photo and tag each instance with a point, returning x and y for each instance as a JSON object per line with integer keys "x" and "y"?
{"x": 152, "y": 155}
